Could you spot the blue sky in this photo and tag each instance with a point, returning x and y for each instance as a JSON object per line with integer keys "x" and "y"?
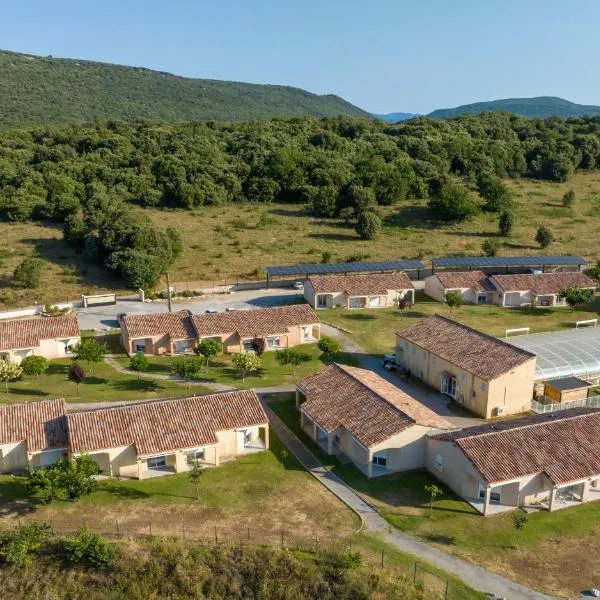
{"x": 383, "y": 55}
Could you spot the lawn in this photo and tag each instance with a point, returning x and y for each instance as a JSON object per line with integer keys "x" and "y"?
{"x": 103, "y": 383}
{"x": 552, "y": 553}
{"x": 238, "y": 241}
{"x": 375, "y": 329}
{"x": 221, "y": 369}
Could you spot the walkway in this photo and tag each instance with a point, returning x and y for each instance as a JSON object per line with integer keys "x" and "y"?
{"x": 472, "y": 575}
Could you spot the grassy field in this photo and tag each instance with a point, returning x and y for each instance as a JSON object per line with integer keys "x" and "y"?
{"x": 238, "y": 241}
{"x": 102, "y": 384}
{"x": 375, "y": 329}
{"x": 552, "y": 553}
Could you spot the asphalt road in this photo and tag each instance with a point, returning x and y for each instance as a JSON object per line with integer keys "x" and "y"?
{"x": 105, "y": 317}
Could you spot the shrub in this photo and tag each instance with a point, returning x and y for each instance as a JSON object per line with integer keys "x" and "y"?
{"x": 454, "y": 202}
{"x": 494, "y": 191}
{"x": 20, "y": 546}
{"x": 89, "y": 549}
{"x": 490, "y": 247}
{"x": 328, "y": 345}
{"x": 34, "y": 365}
{"x": 28, "y": 273}
{"x": 506, "y": 223}
{"x": 453, "y": 300}
{"x": 368, "y": 225}
{"x": 139, "y": 363}
{"x": 187, "y": 367}
{"x": 544, "y": 236}
{"x": 568, "y": 200}
{"x": 292, "y": 357}
{"x": 326, "y": 257}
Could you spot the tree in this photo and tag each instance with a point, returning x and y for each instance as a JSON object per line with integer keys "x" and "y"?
{"x": 259, "y": 345}
{"x": 9, "y": 371}
{"x": 520, "y": 520}
{"x": 187, "y": 367}
{"x": 195, "y": 475}
{"x": 292, "y": 357}
{"x": 90, "y": 350}
{"x": 404, "y": 302}
{"x": 208, "y": 348}
{"x": 328, "y": 345}
{"x": 76, "y": 374}
{"x": 574, "y": 296}
{"x": 28, "y": 272}
{"x": 454, "y": 202}
{"x": 88, "y": 549}
{"x": 368, "y": 225}
{"x": 490, "y": 247}
{"x": 496, "y": 194}
{"x": 544, "y": 236}
{"x": 506, "y": 223}
{"x": 139, "y": 363}
{"x": 246, "y": 362}
{"x": 568, "y": 200}
{"x": 35, "y": 365}
{"x": 453, "y": 300}
{"x": 434, "y": 491}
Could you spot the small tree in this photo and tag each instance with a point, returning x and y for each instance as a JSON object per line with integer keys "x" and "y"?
{"x": 326, "y": 257}
{"x": 506, "y": 223}
{"x": 35, "y": 365}
{"x": 187, "y": 367}
{"x": 76, "y": 374}
{"x": 9, "y": 371}
{"x": 139, "y": 363}
{"x": 520, "y": 520}
{"x": 327, "y": 345}
{"x": 195, "y": 475}
{"x": 89, "y": 350}
{"x": 490, "y": 247}
{"x": 404, "y": 302}
{"x": 292, "y": 357}
{"x": 568, "y": 200}
{"x": 246, "y": 362}
{"x": 453, "y": 300}
{"x": 88, "y": 549}
{"x": 368, "y": 225}
{"x": 259, "y": 345}
{"x": 544, "y": 236}
{"x": 22, "y": 545}
{"x": 28, "y": 273}
{"x": 434, "y": 491}
{"x": 574, "y": 296}
{"x": 208, "y": 348}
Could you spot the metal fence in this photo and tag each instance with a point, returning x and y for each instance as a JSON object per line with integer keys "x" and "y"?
{"x": 546, "y": 406}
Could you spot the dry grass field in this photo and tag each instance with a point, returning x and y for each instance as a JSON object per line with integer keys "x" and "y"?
{"x": 238, "y": 241}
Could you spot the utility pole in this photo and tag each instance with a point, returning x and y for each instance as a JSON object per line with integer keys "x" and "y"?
{"x": 169, "y": 293}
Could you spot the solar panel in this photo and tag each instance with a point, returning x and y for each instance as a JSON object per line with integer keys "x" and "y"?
{"x": 353, "y": 267}
{"x": 507, "y": 261}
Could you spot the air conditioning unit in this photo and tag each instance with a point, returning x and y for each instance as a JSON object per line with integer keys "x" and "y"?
{"x": 460, "y": 399}
{"x": 499, "y": 410}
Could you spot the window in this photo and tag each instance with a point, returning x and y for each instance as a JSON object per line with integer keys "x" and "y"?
{"x": 439, "y": 462}
{"x": 483, "y": 387}
{"x": 140, "y": 347}
{"x": 195, "y": 455}
{"x": 380, "y": 458}
{"x": 181, "y": 346}
{"x": 156, "y": 462}
{"x": 248, "y": 436}
{"x": 274, "y": 341}
{"x": 247, "y": 344}
{"x": 336, "y": 439}
{"x": 321, "y": 301}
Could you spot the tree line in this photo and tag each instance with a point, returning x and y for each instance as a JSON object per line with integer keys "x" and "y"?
{"x": 90, "y": 178}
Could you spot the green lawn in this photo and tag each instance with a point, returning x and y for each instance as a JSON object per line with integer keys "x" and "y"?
{"x": 375, "y": 329}
{"x": 221, "y": 369}
{"x": 552, "y": 554}
{"x": 103, "y": 383}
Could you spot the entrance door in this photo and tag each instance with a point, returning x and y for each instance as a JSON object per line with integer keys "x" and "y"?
{"x": 449, "y": 385}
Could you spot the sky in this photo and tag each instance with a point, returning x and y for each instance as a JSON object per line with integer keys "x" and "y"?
{"x": 382, "y": 55}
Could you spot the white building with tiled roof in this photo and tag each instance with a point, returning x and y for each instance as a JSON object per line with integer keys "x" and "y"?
{"x": 474, "y": 286}
{"x": 356, "y": 413}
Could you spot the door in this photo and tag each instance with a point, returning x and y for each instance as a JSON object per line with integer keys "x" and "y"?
{"x": 157, "y": 462}
{"x": 321, "y": 301}
{"x": 449, "y": 385}
{"x": 50, "y": 457}
{"x": 375, "y": 302}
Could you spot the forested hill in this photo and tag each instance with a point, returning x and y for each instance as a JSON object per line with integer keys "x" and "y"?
{"x": 541, "y": 107}
{"x": 36, "y": 90}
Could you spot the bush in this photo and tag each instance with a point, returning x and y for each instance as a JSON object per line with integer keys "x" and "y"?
{"x": 326, "y": 257}
{"x": 568, "y": 200}
{"x": 490, "y": 247}
{"x": 328, "y": 345}
{"x": 544, "y": 236}
{"x": 34, "y": 365}
{"x": 28, "y": 273}
{"x": 368, "y": 225}
{"x": 20, "y": 546}
{"x": 506, "y": 223}
{"x": 88, "y": 549}
{"x": 495, "y": 192}
{"x": 454, "y": 202}
{"x": 139, "y": 363}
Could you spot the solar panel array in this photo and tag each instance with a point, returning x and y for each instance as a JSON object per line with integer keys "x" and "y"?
{"x": 570, "y": 353}
{"x": 353, "y": 267}
{"x": 508, "y": 261}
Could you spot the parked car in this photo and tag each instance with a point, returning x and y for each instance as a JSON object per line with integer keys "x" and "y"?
{"x": 298, "y": 285}
{"x": 230, "y": 309}
{"x": 389, "y": 362}
{"x": 211, "y": 310}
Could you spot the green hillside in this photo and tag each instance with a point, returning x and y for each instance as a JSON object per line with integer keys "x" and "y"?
{"x": 541, "y": 107}
{"x": 35, "y": 89}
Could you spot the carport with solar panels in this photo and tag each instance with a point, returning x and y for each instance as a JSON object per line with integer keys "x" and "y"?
{"x": 509, "y": 264}
{"x": 413, "y": 268}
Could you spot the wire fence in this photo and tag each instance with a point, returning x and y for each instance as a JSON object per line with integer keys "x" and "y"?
{"x": 434, "y": 585}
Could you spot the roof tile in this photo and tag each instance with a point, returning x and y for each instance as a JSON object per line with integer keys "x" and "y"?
{"x": 542, "y": 283}
{"x": 361, "y": 285}
{"x": 177, "y": 325}
{"x": 475, "y": 280}
{"x": 27, "y": 333}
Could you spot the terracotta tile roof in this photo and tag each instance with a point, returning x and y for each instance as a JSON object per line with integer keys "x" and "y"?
{"x": 475, "y": 280}
{"x": 177, "y": 325}
{"x": 365, "y": 404}
{"x": 543, "y": 283}
{"x": 485, "y": 356}
{"x": 27, "y": 333}
{"x": 361, "y": 285}
{"x": 565, "y": 446}
{"x": 41, "y": 424}
{"x": 256, "y": 322}
{"x": 164, "y": 425}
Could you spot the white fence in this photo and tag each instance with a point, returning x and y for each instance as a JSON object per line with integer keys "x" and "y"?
{"x": 541, "y": 407}
{"x": 35, "y": 310}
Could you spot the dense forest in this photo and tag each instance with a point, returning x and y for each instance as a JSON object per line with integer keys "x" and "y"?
{"x": 42, "y": 90}
{"x": 87, "y": 177}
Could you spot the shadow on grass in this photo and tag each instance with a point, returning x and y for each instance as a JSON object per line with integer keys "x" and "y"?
{"x": 15, "y": 498}
{"x": 343, "y": 358}
{"x": 95, "y": 380}
{"x": 56, "y": 369}
{"x": 360, "y": 317}
{"x": 335, "y": 237}
{"x": 21, "y": 392}
{"x": 413, "y": 216}
{"x": 123, "y": 492}
{"x": 439, "y": 538}
{"x": 135, "y": 385}
{"x": 516, "y": 246}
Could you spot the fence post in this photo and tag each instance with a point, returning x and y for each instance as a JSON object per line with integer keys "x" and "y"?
{"x": 382, "y": 551}
{"x": 117, "y": 524}
{"x": 183, "y": 529}
{"x": 216, "y": 538}
{"x": 150, "y": 526}
{"x": 248, "y": 533}
{"x": 282, "y": 538}
{"x": 446, "y": 592}
{"x": 415, "y": 573}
